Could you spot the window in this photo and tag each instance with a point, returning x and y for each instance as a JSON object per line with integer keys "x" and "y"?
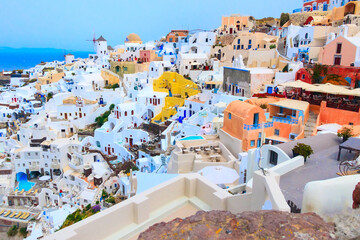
{"x": 259, "y": 134}
{"x": 234, "y": 47}
{"x": 249, "y": 41}
{"x": 132, "y": 112}
{"x": 252, "y": 143}
{"x": 306, "y": 35}
{"x": 338, "y": 48}
{"x": 229, "y": 116}
{"x": 277, "y": 132}
{"x": 265, "y": 46}
{"x": 238, "y": 41}
{"x": 238, "y": 47}
{"x": 293, "y": 114}
{"x": 273, "y": 157}
{"x": 351, "y": 124}
{"x": 303, "y": 76}
{"x": 125, "y": 113}
{"x": 249, "y": 47}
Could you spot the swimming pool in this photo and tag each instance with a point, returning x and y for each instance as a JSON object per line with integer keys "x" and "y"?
{"x": 192, "y": 138}
{"x": 24, "y": 184}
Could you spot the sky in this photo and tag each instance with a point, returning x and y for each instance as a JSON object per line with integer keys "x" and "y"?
{"x": 67, "y": 24}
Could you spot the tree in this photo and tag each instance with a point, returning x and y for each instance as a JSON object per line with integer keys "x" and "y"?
{"x": 303, "y": 150}
{"x": 284, "y": 17}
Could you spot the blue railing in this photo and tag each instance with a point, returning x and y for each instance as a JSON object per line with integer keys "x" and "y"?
{"x": 285, "y": 120}
{"x": 258, "y": 126}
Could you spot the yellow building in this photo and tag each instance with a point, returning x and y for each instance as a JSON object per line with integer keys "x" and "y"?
{"x": 51, "y": 77}
{"x": 109, "y": 77}
{"x": 122, "y": 68}
{"x": 178, "y": 88}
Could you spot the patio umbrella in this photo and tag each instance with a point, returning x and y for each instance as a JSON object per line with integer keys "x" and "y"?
{"x": 44, "y": 178}
{"x": 219, "y": 174}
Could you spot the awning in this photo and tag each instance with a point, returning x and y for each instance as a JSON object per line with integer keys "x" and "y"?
{"x": 329, "y": 88}
{"x": 219, "y": 174}
{"x": 296, "y": 84}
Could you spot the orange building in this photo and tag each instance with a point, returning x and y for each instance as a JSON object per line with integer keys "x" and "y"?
{"x": 250, "y": 124}
{"x": 175, "y": 35}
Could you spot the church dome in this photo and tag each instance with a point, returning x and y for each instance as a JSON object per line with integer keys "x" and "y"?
{"x": 133, "y": 38}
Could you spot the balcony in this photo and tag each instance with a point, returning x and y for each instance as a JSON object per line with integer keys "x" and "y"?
{"x": 285, "y": 120}
{"x": 258, "y": 126}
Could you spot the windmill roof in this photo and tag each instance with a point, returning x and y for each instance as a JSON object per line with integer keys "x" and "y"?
{"x": 101, "y": 39}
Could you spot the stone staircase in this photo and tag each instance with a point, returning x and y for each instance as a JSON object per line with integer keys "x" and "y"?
{"x": 310, "y": 125}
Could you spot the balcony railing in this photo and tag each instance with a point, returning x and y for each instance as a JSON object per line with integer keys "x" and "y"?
{"x": 285, "y": 120}
{"x": 258, "y": 126}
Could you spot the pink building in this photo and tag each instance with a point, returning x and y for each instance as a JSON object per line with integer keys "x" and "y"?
{"x": 341, "y": 51}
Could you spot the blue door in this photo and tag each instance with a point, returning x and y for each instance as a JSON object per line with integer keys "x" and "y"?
{"x": 269, "y": 90}
{"x": 325, "y": 8}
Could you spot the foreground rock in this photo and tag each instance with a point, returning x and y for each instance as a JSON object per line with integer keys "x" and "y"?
{"x": 247, "y": 225}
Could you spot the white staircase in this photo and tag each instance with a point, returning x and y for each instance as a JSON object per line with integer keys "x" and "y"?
{"x": 310, "y": 125}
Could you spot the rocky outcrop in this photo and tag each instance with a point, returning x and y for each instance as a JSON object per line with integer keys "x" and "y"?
{"x": 356, "y": 197}
{"x": 247, "y": 225}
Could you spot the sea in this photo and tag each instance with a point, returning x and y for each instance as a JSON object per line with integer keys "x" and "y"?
{"x": 24, "y": 58}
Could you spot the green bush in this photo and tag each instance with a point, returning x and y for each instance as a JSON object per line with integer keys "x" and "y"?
{"x": 345, "y": 133}
{"x": 23, "y": 232}
{"x": 272, "y": 46}
{"x": 13, "y": 231}
{"x": 88, "y": 207}
{"x": 303, "y": 150}
{"x": 110, "y": 200}
{"x": 49, "y": 96}
{"x": 104, "y": 194}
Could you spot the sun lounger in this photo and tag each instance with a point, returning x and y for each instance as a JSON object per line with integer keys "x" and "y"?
{"x": 28, "y": 192}
{"x": 2, "y": 211}
{"x": 22, "y": 191}
{"x": 23, "y": 215}
{"x": 12, "y": 215}
{"x": 18, "y": 215}
{"x": 26, "y": 216}
{"x": 7, "y": 213}
{"x": 35, "y": 192}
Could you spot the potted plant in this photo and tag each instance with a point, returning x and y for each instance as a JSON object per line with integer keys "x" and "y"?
{"x": 206, "y": 66}
{"x": 303, "y": 150}
{"x": 345, "y": 133}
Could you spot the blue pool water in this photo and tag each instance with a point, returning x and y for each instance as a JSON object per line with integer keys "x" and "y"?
{"x": 192, "y": 138}
{"x": 24, "y": 184}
